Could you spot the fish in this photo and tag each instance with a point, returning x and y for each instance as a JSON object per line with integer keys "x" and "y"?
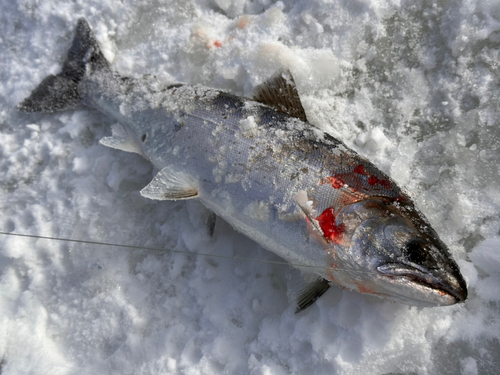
{"x": 261, "y": 166}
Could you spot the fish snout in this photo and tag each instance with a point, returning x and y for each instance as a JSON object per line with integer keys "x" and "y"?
{"x": 456, "y": 285}
{"x": 420, "y": 286}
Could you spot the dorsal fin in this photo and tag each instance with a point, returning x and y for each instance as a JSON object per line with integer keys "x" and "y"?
{"x": 280, "y": 92}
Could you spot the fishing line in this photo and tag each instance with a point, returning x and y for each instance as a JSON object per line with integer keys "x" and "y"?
{"x": 87, "y": 242}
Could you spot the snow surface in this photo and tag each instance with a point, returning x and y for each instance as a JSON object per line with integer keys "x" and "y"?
{"x": 412, "y": 85}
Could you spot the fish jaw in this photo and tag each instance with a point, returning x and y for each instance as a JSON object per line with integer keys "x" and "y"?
{"x": 432, "y": 288}
{"x": 391, "y": 254}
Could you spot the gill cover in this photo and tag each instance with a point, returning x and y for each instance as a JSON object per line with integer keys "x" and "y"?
{"x": 403, "y": 259}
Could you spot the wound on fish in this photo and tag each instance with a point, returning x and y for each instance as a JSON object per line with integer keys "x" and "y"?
{"x": 336, "y": 182}
{"x": 365, "y": 288}
{"x": 331, "y": 231}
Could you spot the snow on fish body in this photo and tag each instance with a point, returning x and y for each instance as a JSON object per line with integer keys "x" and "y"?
{"x": 261, "y": 166}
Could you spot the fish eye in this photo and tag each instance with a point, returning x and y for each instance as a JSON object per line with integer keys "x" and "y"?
{"x": 415, "y": 251}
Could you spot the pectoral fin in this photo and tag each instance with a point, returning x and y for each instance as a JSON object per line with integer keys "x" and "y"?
{"x": 124, "y": 144}
{"x": 122, "y": 140}
{"x": 169, "y": 184}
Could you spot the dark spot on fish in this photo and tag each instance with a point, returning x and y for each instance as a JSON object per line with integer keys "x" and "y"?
{"x": 144, "y": 138}
{"x": 304, "y": 170}
{"x": 294, "y": 176}
{"x": 178, "y": 126}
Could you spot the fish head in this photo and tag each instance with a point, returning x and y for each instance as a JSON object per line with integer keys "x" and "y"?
{"x": 393, "y": 252}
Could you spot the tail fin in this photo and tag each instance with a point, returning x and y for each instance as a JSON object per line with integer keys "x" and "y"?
{"x": 60, "y": 92}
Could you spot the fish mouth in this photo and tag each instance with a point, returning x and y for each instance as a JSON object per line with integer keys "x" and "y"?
{"x": 427, "y": 287}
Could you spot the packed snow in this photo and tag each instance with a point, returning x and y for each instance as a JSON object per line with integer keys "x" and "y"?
{"x": 412, "y": 85}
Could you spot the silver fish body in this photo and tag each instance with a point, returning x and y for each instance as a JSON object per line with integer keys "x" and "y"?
{"x": 292, "y": 188}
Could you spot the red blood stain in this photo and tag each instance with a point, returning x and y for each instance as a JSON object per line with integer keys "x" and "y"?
{"x": 332, "y": 278}
{"x": 374, "y": 180}
{"x": 385, "y": 183}
{"x": 336, "y": 182}
{"x": 217, "y": 44}
{"x": 331, "y": 231}
{"x": 364, "y": 288}
{"x": 356, "y": 182}
{"x": 359, "y": 169}
{"x": 401, "y": 198}
{"x": 243, "y": 22}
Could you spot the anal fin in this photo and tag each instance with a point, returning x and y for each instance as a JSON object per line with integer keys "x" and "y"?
{"x": 169, "y": 184}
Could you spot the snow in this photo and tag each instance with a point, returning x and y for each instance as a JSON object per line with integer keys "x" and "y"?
{"x": 413, "y": 86}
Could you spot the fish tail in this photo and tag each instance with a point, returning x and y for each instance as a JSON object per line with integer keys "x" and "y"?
{"x": 60, "y": 92}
